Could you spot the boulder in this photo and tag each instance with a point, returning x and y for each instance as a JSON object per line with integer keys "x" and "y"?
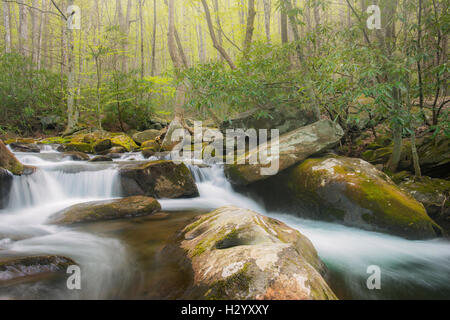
{"x": 102, "y": 145}
{"x": 106, "y": 210}
{"x": 147, "y": 153}
{"x": 79, "y": 147}
{"x": 170, "y": 140}
{"x": 434, "y": 194}
{"x": 353, "y": 192}
{"x": 159, "y": 179}
{"x": 125, "y": 142}
{"x": 6, "y": 180}
{"x": 101, "y": 159}
{"x": 14, "y": 269}
{"x": 151, "y": 144}
{"x": 237, "y": 254}
{"x": 76, "y": 156}
{"x": 21, "y": 147}
{"x": 147, "y": 135}
{"x": 294, "y": 147}
{"x": 9, "y": 162}
{"x": 285, "y": 119}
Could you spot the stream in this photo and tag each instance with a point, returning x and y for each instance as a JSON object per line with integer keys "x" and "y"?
{"x": 119, "y": 259}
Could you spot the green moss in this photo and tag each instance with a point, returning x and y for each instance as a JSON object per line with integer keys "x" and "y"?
{"x": 80, "y": 146}
{"x": 124, "y": 141}
{"x": 55, "y": 140}
{"x": 236, "y": 285}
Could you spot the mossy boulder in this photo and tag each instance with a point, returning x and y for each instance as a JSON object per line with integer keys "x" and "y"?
{"x": 20, "y": 269}
{"x": 106, "y": 210}
{"x": 124, "y": 141}
{"x": 159, "y": 179}
{"x": 151, "y": 144}
{"x": 434, "y": 194}
{"x": 101, "y": 159}
{"x": 102, "y": 145}
{"x": 147, "y": 135}
{"x": 294, "y": 147}
{"x": 79, "y": 146}
{"x": 355, "y": 193}
{"x": 9, "y": 162}
{"x": 237, "y": 254}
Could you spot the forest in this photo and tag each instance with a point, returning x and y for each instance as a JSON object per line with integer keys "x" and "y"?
{"x": 92, "y": 91}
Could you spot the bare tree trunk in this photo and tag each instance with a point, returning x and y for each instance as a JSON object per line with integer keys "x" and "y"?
{"x": 72, "y": 114}
{"x": 34, "y": 32}
{"x": 267, "y": 16}
{"x": 284, "y": 27}
{"x": 141, "y": 23}
{"x": 213, "y": 36}
{"x": 176, "y": 60}
{"x": 23, "y": 30}
{"x": 219, "y": 27}
{"x": 41, "y": 33}
{"x": 7, "y": 24}
{"x": 154, "y": 39}
{"x": 250, "y": 26}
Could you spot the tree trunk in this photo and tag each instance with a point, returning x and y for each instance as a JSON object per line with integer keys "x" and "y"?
{"x": 154, "y": 39}
{"x": 213, "y": 37}
{"x": 34, "y": 32}
{"x": 72, "y": 114}
{"x": 284, "y": 27}
{"x": 7, "y": 24}
{"x": 23, "y": 30}
{"x": 141, "y": 23}
{"x": 250, "y": 26}
{"x": 267, "y": 15}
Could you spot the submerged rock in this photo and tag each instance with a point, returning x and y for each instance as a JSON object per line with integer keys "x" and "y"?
{"x": 159, "y": 179}
{"x": 106, "y": 210}
{"x": 434, "y": 194}
{"x": 237, "y": 254}
{"x": 294, "y": 147}
{"x": 355, "y": 193}
{"x": 23, "y": 269}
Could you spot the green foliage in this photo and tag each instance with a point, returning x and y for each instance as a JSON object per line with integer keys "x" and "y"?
{"x": 26, "y": 94}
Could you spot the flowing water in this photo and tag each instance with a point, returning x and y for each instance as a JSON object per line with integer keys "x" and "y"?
{"x": 115, "y": 256}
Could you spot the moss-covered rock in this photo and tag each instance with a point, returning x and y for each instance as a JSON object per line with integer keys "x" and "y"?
{"x": 79, "y": 146}
{"x": 160, "y": 179}
{"x": 355, "y": 193}
{"x": 22, "y": 147}
{"x": 434, "y": 194}
{"x": 9, "y": 162}
{"x": 151, "y": 145}
{"x": 237, "y": 254}
{"x": 102, "y": 145}
{"x": 147, "y": 135}
{"x": 106, "y": 210}
{"x": 124, "y": 141}
{"x": 294, "y": 147}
